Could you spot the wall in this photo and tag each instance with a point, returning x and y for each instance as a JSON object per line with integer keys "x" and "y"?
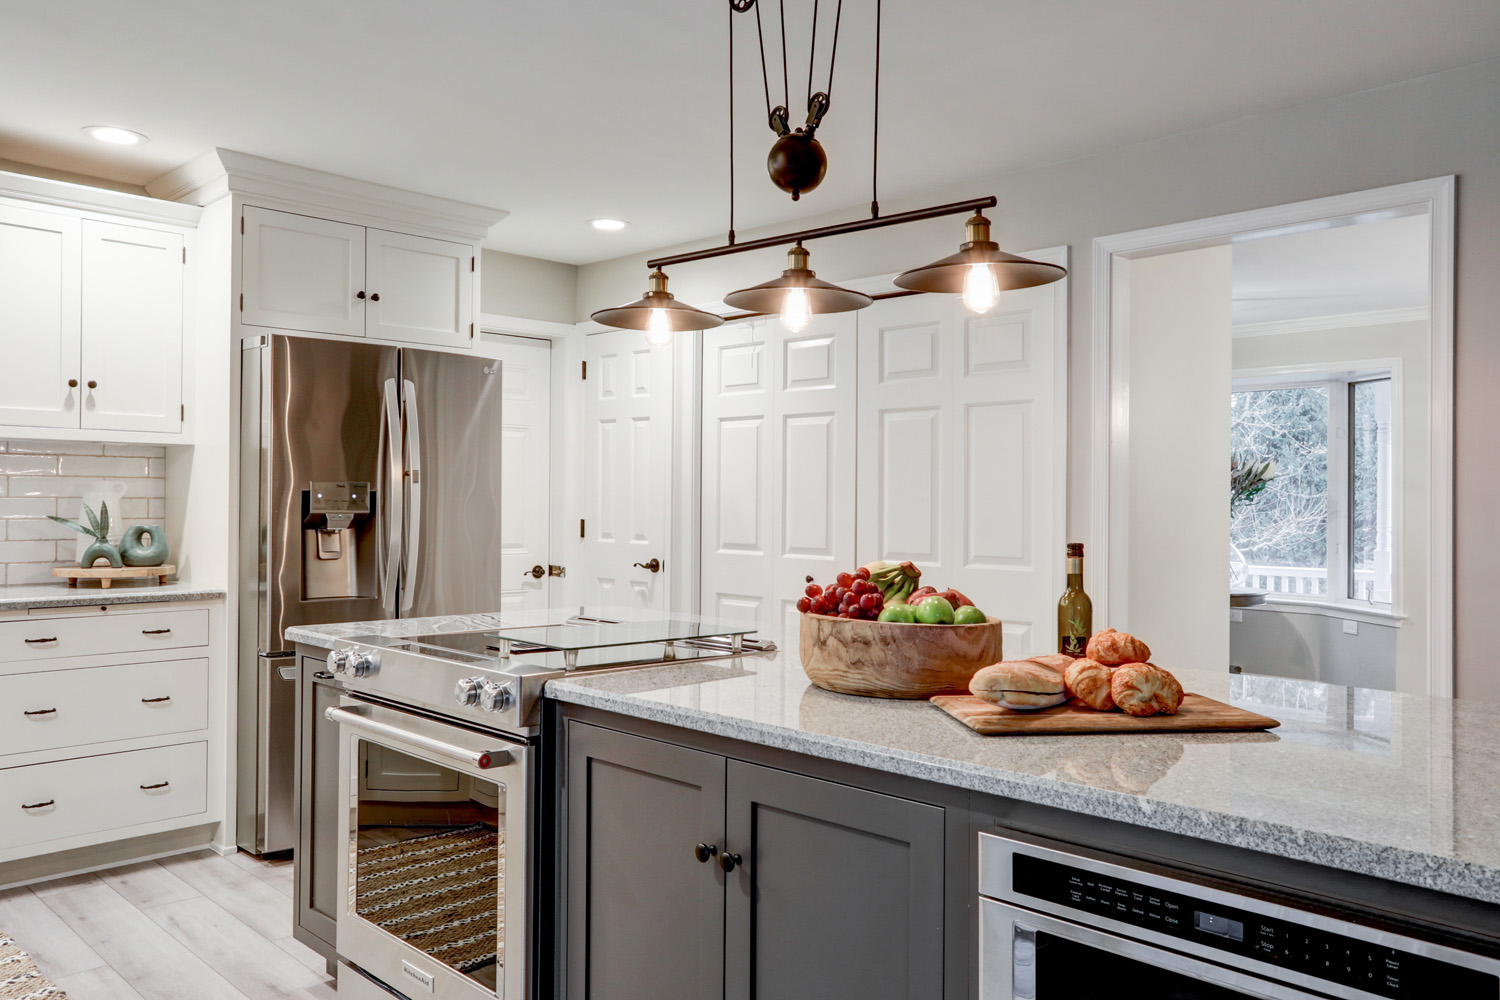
{"x": 1435, "y": 125}
{"x": 38, "y": 478}
{"x": 1314, "y": 647}
{"x": 511, "y": 285}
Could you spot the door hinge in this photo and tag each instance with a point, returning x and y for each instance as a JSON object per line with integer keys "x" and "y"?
{"x": 585, "y": 374}
{"x": 242, "y": 225}
{"x": 555, "y": 570}
{"x": 580, "y": 527}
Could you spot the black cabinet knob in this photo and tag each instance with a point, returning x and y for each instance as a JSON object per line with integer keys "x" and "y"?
{"x": 705, "y": 851}
{"x": 374, "y": 296}
{"x": 729, "y": 862}
{"x": 359, "y": 294}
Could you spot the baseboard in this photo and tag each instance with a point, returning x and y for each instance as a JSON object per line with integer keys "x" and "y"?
{"x": 81, "y": 860}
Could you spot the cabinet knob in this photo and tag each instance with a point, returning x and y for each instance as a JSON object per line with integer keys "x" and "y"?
{"x": 359, "y": 294}
{"x": 93, "y": 384}
{"x": 374, "y": 296}
{"x": 729, "y": 862}
{"x": 705, "y": 851}
{"x": 72, "y": 383}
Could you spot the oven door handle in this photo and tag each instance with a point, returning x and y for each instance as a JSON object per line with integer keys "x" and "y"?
{"x": 356, "y": 720}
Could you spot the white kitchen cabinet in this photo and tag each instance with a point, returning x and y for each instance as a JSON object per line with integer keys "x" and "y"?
{"x": 38, "y": 318}
{"x": 302, "y": 273}
{"x": 131, "y": 365}
{"x": 320, "y": 276}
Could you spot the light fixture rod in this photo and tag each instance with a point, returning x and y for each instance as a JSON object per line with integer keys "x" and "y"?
{"x": 837, "y": 229}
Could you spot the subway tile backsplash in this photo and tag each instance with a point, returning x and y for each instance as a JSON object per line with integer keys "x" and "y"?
{"x": 38, "y": 478}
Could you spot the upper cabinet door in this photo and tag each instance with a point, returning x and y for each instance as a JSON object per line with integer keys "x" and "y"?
{"x": 421, "y": 290}
{"x": 38, "y": 318}
{"x": 132, "y": 328}
{"x": 301, "y": 273}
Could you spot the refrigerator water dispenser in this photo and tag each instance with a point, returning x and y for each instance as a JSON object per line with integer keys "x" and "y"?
{"x": 337, "y": 541}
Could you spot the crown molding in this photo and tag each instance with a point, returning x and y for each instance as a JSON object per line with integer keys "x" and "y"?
{"x": 226, "y": 171}
{"x": 1337, "y": 321}
{"x": 83, "y": 198}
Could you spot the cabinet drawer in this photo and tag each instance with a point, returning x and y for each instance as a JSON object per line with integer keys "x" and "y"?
{"x": 45, "y": 638}
{"x": 107, "y": 792}
{"x": 66, "y": 708}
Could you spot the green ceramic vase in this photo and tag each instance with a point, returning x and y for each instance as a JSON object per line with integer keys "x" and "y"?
{"x": 98, "y": 549}
{"x": 135, "y": 553}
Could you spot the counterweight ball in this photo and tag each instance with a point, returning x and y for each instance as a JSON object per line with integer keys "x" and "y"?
{"x": 797, "y": 163}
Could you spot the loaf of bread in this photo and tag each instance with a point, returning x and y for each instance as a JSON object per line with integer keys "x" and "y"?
{"x": 1057, "y": 661}
{"x": 1145, "y": 689}
{"x": 1113, "y": 648}
{"x": 1024, "y": 685}
{"x": 1088, "y": 681}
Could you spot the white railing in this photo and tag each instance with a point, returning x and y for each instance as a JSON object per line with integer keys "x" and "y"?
{"x": 1305, "y": 581}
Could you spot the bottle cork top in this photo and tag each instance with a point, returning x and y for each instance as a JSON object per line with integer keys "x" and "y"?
{"x": 1075, "y": 549}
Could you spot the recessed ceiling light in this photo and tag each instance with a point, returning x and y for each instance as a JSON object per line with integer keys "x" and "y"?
{"x": 114, "y": 136}
{"x": 609, "y": 225}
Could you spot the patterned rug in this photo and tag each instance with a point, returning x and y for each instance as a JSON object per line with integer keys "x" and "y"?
{"x": 439, "y": 893}
{"x": 19, "y": 978}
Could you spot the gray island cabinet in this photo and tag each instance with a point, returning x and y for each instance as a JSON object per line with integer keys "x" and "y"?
{"x": 701, "y": 869}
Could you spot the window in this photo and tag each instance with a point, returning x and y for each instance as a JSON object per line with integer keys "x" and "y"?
{"x": 1322, "y": 527}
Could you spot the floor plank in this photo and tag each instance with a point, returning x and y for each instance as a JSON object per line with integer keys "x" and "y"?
{"x": 147, "y": 884}
{"x": 102, "y": 983}
{"x": 254, "y": 902}
{"x": 303, "y": 954}
{"x": 256, "y": 966}
{"x": 51, "y": 943}
{"x": 156, "y": 964}
{"x": 59, "y": 884}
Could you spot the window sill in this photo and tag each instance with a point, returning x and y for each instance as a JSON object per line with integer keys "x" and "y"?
{"x": 1347, "y": 610}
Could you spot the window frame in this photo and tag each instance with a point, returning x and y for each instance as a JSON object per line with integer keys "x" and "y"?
{"x": 1337, "y": 378}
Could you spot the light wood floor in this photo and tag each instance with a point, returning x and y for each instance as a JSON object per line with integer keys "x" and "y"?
{"x": 191, "y": 927}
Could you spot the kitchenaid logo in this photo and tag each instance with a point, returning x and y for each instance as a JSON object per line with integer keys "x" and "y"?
{"x": 418, "y": 976}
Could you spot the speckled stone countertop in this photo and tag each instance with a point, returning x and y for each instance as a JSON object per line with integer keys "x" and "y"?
{"x": 59, "y": 595}
{"x": 1400, "y": 787}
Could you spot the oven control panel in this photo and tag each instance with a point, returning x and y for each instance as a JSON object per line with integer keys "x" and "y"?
{"x": 1277, "y": 941}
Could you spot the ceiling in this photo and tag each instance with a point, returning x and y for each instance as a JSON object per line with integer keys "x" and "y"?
{"x": 1376, "y": 266}
{"x": 566, "y": 110}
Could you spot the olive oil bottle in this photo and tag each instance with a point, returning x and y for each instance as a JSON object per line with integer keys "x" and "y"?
{"x": 1075, "y": 612}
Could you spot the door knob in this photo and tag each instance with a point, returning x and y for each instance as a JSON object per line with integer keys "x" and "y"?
{"x": 359, "y": 295}
{"x": 536, "y": 572}
{"x": 705, "y": 851}
{"x": 374, "y": 296}
{"x": 93, "y": 384}
{"x": 72, "y": 383}
{"x": 728, "y": 861}
{"x": 654, "y": 565}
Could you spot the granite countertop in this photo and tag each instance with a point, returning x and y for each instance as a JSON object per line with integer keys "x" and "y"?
{"x": 1400, "y": 787}
{"x": 59, "y": 595}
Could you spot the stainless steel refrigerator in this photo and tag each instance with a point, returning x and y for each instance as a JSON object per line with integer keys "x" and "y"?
{"x": 369, "y": 489}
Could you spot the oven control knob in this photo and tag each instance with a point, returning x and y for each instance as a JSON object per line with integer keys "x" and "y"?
{"x": 466, "y": 691}
{"x": 495, "y": 697}
{"x": 364, "y": 664}
{"x": 338, "y": 660}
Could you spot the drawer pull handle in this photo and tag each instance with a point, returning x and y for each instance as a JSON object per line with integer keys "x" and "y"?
{"x": 159, "y": 784}
{"x": 38, "y": 642}
{"x": 155, "y": 701}
{"x": 155, "y": 631}
{"x": 39, "y": 805}
{"x": 41, "y": 711}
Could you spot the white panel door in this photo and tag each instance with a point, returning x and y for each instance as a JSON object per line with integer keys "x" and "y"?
{"x": 421, "y": 291}
{"x": 38, "y": 318}
{"x": 778, "y": 466}
{"x": 132, "y": 328}
{"x": 627, "y": 454}
{"x": 962, "y": 449}
{"x": 302, "y": 273}
{"x": 526, "y": 472}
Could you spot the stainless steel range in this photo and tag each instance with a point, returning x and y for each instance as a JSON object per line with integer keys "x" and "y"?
{"x": 437, "y": 786}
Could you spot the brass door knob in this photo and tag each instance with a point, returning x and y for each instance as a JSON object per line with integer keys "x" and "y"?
{"x": 536, "y": 572}
{"x": 72, "y": 383}
{"x": 654, "y": 565}
{"x": 93, "y": 384}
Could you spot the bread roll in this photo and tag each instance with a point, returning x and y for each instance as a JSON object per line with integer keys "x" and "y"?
{"x": 1025, "y": 685}
{"x": 1057, "y": 661}
{"x": 1145, "y": 689}
{"x": 1088, "y": 681}
{"x": 1113, "y": 648}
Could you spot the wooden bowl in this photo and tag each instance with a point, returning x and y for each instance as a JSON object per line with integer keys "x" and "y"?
{"x": 893, "y": 659}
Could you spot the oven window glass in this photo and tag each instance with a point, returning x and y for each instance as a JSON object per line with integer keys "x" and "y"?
{"x": 428, "y": 859}
{"x": 1067, "y": 970}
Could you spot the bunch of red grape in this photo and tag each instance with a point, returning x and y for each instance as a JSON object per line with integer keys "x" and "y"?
{"x": 851, "y": 596}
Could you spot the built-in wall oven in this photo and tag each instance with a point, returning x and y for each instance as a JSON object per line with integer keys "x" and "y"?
{"x": 1055, "y": 925}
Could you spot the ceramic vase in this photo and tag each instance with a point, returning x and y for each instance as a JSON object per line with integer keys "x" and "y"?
{"x": 138, "y": 553}
{"x": 110, "y": 492}
{"x": 98, "y": 549}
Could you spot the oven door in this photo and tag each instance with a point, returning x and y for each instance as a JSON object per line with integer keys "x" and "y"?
{"x": 434, "y": 897}
{"x": 1028, "y": 956}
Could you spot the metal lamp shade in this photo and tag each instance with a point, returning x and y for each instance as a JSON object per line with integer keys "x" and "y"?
{"x": 822, "y": 296}
{"x": 637, "y": 315}
{"x": 1011, "y": 272}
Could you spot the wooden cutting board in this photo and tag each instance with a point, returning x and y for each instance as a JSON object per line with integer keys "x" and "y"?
{"x": 1196, "y": 715}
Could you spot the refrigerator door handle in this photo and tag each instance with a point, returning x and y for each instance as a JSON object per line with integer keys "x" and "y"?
{"x": 414, "y": 478}
{"x": 392, "y": 486}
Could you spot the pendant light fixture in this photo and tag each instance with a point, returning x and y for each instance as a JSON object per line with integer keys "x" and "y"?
{"x": 798, "y": 295}
{"x": 658, "y": 313}
{"x": 980, "y": 270}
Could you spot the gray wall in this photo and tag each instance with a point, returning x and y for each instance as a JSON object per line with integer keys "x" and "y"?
{"x": 1313, "y": 647}
{"x": 1446, "y": 123}
{"x": 528, "y": 287}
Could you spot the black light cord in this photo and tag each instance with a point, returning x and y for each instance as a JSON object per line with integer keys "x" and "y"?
{"x": 875, "y": 144}
{"x": 838, "y": 16}
{"x": 731, "y": 124}
{"x": 786, "y": 91}
{"x": 765, "y": 77}
{"x": 812, "y": 51}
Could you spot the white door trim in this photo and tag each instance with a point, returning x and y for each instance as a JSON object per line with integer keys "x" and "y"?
{"x": 1111, "y": 357}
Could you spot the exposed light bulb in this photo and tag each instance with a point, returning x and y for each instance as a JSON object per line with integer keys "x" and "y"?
{"x": 659, "y": 330}
{"x": 981, "y": 290}
{"x": 796, "y": 310}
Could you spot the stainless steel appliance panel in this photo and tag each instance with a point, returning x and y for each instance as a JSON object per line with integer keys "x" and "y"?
{"x": 452, "y": 409}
